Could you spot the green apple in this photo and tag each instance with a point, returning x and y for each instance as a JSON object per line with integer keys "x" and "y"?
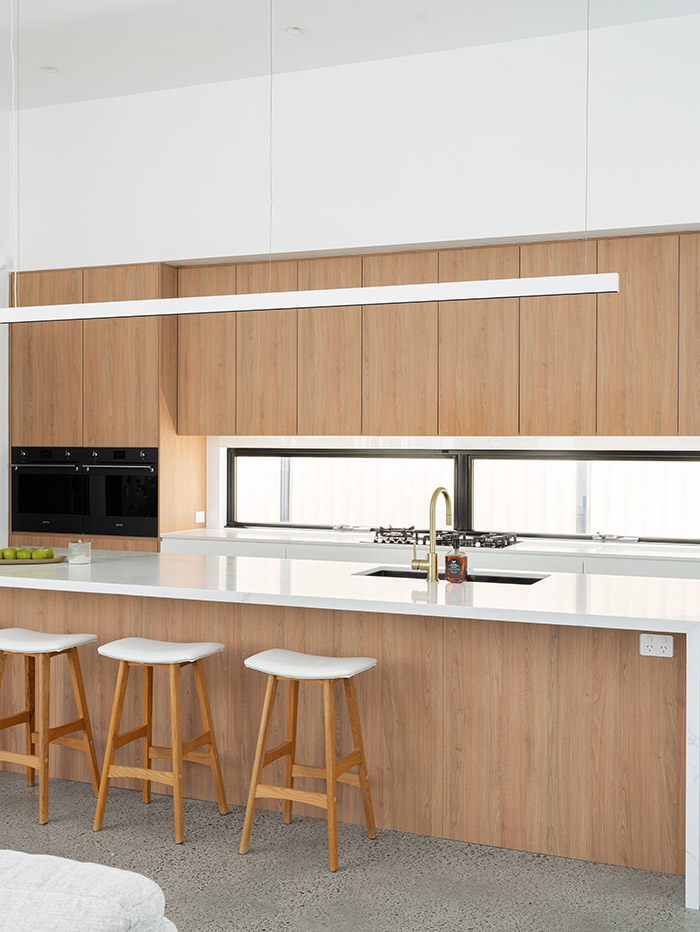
{"x": 49, "y": 553}
{"x": 23, "y": 554}
{"x": 38, "y": 554}
{"x": 9, "y": 553}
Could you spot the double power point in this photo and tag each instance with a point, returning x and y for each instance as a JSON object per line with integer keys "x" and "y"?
{"x": 656, "y": 645}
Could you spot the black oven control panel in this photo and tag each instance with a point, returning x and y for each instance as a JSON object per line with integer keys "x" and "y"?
{"x": 120, "y": 456}
{"x": 50, "y": 456}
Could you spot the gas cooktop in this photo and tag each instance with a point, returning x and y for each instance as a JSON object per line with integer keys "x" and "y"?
{"x": 407, "y": 535}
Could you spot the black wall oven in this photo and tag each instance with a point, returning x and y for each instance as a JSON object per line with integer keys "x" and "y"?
{"x": 92, "y": 490}
{"x": 48, "y": 489}
{"x": 122, "y": 491}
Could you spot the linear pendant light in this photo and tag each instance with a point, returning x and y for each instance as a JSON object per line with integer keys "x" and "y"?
{"x": 601, "y": 283}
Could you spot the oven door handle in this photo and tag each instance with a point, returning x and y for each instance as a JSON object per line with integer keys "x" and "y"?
{"x": 125, "y": 469}
{"x": 45, "y": 466}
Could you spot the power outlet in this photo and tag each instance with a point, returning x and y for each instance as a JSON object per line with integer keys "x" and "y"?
{"x": 656, "y": 645}
{"x": 199, "y": 517}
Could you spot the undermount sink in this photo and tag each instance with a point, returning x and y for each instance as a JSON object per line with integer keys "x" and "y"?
{"x": 390, "y": 573}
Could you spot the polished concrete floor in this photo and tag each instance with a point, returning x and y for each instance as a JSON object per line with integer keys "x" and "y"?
{"x": 397, "y": 883}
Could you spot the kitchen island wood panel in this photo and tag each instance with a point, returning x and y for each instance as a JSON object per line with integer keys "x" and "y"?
{"x": 206, "y": 349}
{"x": 555, "y": 739}
{"x": 400, "y": 350}
{"x": 558, "y": 345}
{"x": 479, "y": 356}
{"x": 330, "y": 352}
{"x": 638, "y": 337}
{"x": 266, "y": 354}
{"x": 689, "y": 336}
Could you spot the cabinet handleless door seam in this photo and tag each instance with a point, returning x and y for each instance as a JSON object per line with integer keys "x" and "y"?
{"x": 689, "y": 335}
{"x": 558, "y": 345}
{"x": 400, "y": 350}
{"x": 266, "y": 354}
{"x": 479, "y": 355}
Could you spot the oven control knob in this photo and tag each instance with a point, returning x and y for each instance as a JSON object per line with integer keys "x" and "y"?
{"x": 142, "y": 454}
{"x": 94, "y": 454}
{"x": 23, "y": 453}
{"x": 67, "y": 452}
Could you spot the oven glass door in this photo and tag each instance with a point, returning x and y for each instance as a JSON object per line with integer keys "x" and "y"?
{"x": 122, "y": 500}
{"x": 47, "y": 498}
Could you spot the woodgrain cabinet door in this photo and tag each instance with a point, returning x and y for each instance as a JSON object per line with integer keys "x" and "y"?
{"x": 400, "y": 351}
{"x": 479, "y": 347}
{"x": 330, "y": 352}
{"x": 558, "y": 345}
{"x": 689, "y": 342}
{"x": 638, "y": 337}
{"x": 129, "y": 282}
{"x": 46, "y": 390}
{"x": 266, "y": 354}
{"x": 206, "y": 356}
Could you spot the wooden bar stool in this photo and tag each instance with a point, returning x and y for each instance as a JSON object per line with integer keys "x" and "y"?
{"x": 148, "y": 654}
{"x": 326, "y": 671}
{"x": 39, "y": 649}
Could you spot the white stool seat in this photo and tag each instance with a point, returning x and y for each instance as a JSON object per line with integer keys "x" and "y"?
{"x": 296, "y": 666}
{"x": 148, "y": 651}
{"x": 26, "y": 641}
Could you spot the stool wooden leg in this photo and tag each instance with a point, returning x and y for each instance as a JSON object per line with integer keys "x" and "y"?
{"x": 114, "y": 723}
{"x": 147, "y": 740}
{"x": 30, "y": 706}
{"x": 331, "y": 785}
{"x": 44, "y": 700}
{"x": 358, "y": 745}
{"x": 292, "y": 710}
{"x": 176, "y": 731}
{"x": 205, "y": 709}
{"x": 81, "y": 703}
{"x": 258, "y": 763}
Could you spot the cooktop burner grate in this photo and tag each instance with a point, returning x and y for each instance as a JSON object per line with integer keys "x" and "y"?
{"x": 443, "y": 538}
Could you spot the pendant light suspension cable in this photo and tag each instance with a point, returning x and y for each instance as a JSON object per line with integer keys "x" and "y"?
{"x": 269, "y": 154}
{"x": 14, "y": 169}
{"x": 587, "y": 131}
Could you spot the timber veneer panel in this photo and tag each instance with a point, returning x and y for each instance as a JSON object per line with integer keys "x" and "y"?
{"x": 638, "y": 337}
{"x": 689, "y": 342}
{"x": 266, "y": 354}
{"x": 400, "y": 350}
{"x": 46, "y": 385}
{"x": 479, "y": 362}
{"x": 206, "y": 350}
{"x": 143, "y": 544}
{"x": 129, "y": 282}
{"x": 330, "y": 352}
{"x": 558, "y": 345}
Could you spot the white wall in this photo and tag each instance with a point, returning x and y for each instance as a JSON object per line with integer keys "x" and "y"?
{"x": 5, "y": 250}
{"x": 466, "y": 145}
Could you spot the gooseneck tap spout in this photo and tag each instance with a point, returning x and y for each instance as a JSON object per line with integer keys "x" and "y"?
{"x": 430, "y": 564}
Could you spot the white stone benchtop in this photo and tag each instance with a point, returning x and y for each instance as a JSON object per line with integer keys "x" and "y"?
{"x": 653, "y": 603}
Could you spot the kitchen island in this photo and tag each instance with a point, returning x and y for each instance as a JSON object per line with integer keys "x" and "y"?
{"x": 521, "y": 716}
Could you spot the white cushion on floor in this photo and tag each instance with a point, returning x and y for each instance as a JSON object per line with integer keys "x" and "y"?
{"x": 26, "y": 641}
{"x": 41, "y": 893}
{"x": 145, "y": 650}
{"x": 296, "y": 666}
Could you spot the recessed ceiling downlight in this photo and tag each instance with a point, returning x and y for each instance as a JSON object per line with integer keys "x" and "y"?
{"x": 49, "y": 69}
{"x": 295, "y": 30}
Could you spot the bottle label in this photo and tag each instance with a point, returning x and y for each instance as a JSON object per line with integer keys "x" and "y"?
{"x": 454, "y": 566}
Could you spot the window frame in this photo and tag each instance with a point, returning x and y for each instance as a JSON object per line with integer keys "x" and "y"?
{"x": 463, "y": 504}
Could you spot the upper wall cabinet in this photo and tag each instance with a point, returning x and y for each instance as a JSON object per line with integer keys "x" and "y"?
{"x": 400, "y": 350}
{"x": 266, "y": 354}
{"x": 689, "y": 342}
{"x": 479, "y": 347}
{"x": 206, "y": 356}
{"x": 46, "y": 380}
{"x": 558, "y": 345}
{"x": 638, "y": 337}
{"x": 121, "y": 358}
{"x": 330, "y": 352}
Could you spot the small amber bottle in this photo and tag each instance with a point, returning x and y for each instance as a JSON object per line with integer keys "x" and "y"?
{"x": 456, "y": 564}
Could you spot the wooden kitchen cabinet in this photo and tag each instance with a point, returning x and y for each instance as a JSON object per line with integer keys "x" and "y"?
{"x": 206, "y": 356}
{"x": 45, "y": 384}
{"x": 143, "y": 544}
{"x": 689, "y": 342}
{"x": 266, "y": 354}
{"x": 479, "y": 365}
{"x": 121, "y": 358}
{"x": 637, "y": 383}
{"x": 330, "y": 352}
{"x": 558, "y": 345}
{"x": 400, "y": 350}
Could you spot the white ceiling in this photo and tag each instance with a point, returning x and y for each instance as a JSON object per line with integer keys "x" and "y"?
{"x": 107, "y": 48}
